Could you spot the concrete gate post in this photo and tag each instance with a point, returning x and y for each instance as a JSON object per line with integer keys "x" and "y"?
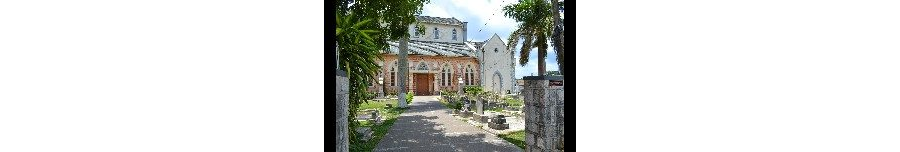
{"x": 342, "y": 98}
{"x": 543, "y": 113}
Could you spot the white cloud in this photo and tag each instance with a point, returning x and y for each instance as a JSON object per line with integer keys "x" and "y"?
{"x": 434, "y": 10}
{"x": 490, "y": 16}
{"x": 485, "y": 17}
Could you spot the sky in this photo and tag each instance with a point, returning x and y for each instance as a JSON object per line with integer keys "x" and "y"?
{"x": 485, "y": 19}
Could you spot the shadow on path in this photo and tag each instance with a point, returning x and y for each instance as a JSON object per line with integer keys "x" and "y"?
{"x": 427, "y": 126}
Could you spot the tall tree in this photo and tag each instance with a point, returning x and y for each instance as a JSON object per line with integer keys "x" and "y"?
{"x": 357, "y": 53}
{"x": 535, "y": 27}
{"x": 558, "y": 37}
{"x": 364, "y": 27}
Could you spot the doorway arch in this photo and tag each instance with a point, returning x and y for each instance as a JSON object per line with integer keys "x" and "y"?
{"x": 497, "y": 83}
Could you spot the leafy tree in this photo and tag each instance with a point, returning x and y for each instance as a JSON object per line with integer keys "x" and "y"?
{"x": 363, "y": 29}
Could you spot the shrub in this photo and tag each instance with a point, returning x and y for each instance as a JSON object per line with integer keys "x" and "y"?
{"x": 456, "y": 105}
{"x": 474, "y": 90}
{"x": 392, "y": 94}
{"x": 369, "y": 96}
{"x": 409, "y": 97}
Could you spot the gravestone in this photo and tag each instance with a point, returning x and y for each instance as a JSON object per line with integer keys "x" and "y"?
{"x": 543, "y": 111}
{"x": 479, "y": 110}
{"x": 498, "y": 122}
{"x": 479, "y": 105}
{"x": 341, "y": 113}
{"x": 482, "y": 118}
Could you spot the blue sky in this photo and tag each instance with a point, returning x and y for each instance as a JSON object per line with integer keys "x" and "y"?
{"x": 486, "y": 18}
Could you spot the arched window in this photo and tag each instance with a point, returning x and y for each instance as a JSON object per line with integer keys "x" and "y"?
{"x": 495, "y": 50}
{"x": 469, "y": 75}
{"x": 465, "y": 76}
{"x": 445, "y": 76}
{"x": 394, "y": 75}
{"x": 416, "y": 32}
{"x": 497, "y": 82}
{"x": 436, "y": 34}
{"x": 422, "y": 66}
{"x": 454, "y": 34}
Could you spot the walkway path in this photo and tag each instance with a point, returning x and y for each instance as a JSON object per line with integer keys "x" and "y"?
{"x": 428, "y": 127}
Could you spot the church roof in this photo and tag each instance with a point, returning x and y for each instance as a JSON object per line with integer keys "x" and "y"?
{"x": 433, "y": 49}
{"x": 429, "y": 19}
{"x": 478, "y": 45}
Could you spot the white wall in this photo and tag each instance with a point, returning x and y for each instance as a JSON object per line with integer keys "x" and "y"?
{"x": 500, "y": 62}
{"x": 445, "y": 33}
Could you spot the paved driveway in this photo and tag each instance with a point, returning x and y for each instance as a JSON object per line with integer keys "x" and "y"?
{"x": 428, "y": 127}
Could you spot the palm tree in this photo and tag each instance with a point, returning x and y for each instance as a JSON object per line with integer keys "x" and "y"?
{"x": 534, "y": 28}
{"x": 558, "y": 36}
{"x": 363, "y": 29}
{"x": 357, "y": 54}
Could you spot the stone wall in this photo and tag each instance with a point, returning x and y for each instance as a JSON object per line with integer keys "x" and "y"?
{"x": 342, "y": 137}
{"x": 543, "y": 115}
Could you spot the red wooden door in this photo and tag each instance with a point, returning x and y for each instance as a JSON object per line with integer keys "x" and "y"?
{"x": 423, "y": 84}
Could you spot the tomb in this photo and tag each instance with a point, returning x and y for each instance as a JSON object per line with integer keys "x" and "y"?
{"x": 498, "y": 122}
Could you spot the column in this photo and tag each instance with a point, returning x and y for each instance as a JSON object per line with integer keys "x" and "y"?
{"x": 543, "y": 113}
{"x": 343, "y": 139}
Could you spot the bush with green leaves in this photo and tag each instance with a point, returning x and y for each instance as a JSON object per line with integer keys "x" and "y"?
{"x": 370, "y": 96}
{"x": 456, "y": 105}
{"x": 409, "y": 97}
{"x": 473, "y": 89}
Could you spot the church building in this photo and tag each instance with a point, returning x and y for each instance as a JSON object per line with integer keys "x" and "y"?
{"x": 441, "y": 57}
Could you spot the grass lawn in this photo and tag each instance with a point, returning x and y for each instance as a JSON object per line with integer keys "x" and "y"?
{"x": 495, "y": 109}
{"x": 512, "y": 102}
{"x": 389, "y": 115}
{"x": 516, "y": 138}
{"x": 376, "y": 104}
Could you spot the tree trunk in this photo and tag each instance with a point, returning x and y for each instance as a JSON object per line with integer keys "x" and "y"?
{"x": 542, "y": 65}
{"x": 557, "y": 38}
{"x": 403, "y": 70}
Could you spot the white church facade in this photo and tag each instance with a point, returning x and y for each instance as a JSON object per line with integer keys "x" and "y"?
{"x": 497, "y": 65}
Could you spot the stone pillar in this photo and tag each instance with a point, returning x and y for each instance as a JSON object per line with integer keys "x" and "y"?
{"x": 342, "y": 136}
{"x": 543, "y": 113}
{"x": 479, "y": 105}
